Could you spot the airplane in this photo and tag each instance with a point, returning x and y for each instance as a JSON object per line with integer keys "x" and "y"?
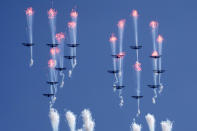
{"x": 52, "y": 45}
{"x": 153, "y": 86}
{"x": 69, "y": 57}
{"x": 60, "y": 68}
{"x": 136, "y": 47}
{"x": 155, "y": 57}
{"x": 113, "y": 71}
{"x": 48, "y": 95}
{"x": 28, "y": 44}
{"x": 158, "y": 71}
{"x": 73, "y": 45}
{"x": 118, "y": 87}
{"x": 118, "y": 56}
{"x": 52, "y": 83}
{"x": 137, "y": 97}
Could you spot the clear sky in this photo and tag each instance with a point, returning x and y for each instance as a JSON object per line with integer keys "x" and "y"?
{"x": 23, "y": 108}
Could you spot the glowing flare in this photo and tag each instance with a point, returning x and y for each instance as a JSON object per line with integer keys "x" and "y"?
{"x": 72, "y": 24}
{"x": 54, "y": 51}
{"x": 59, "y": 36}
{"x": 135, "y": 13}
{"x": 51, "y": 63}
{"x": 29, "y": 11}
{"x": 154, "y": 24}
{"x": 137, "y": 66}
{"x": 74, "y": 14}
{"x": 121, "y": 54}
{"x": 155, "y": 53}
{"x": 159, "y": 39}
{"x": 52, "y": 13}
{"x": 121, "y": 23}
{"x": 113, "y": 39}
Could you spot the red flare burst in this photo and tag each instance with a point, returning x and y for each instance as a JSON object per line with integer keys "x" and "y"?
{"x": 121, "y": 23}
{"x": 112, "y": 39}
{"x": 59, "y": 36}
{"x": 54, "y": 51}
{"x": 74, "y": 14}
{"x": 159, "y": 39}
{"x": 155, "y": 53}
{"x": 135, "y": 13}
{"x": 72, "y": 24}
{"x": 137, "y": 66}
{"x": 121, "y": 55}
{"x": 154, "y": 24}
{"x": 52, "y": 13}
{"x": 51, "y": 63}
{"x": 29, "y": 11}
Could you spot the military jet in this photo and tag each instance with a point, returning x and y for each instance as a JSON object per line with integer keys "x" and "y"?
{"x": 136, "y": 47}
{"x": 60, "y": 68}
{"x": 153, "y": 86}
{"x": 158, "y": 71}
{"x": 137, "y": 97}
{"x": 118, "y": 56}
{"x": 72, "y": 45}
{"x": 113, "y": 71}
{"x": 52, "y": 83}
{"x": 69, "y": 57}
{"x": 48, "y": 95}
{"x": 118, "y": 87}
{"x": 28, "y": 44}
{"x": 155, "y": 57}
{"x": 52, "y": 45}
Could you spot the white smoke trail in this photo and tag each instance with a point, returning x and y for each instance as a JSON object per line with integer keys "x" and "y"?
{"x": 161, "y": 88}
{"x": 135, "y": 127}
{"x": 138, "y": 91}
{"x": 31, "y": 60}
{"x": 63, "y": 76}
{"x": 150, "y": 119}
{"x": 113, "y": 48}
{"x": 73, "y": 39}
{"x": 54, "y": 117}
{"x": 155, "y": 81}
{"x": 30, "y": 32}
{"x": 72, "y": 32}
{"x": 52, "y": 21}
{"x": 52, "y": 102}
{"x": 88, "y": 122}
{"x": 155, "y": 96}
{"x": 53, "y": 29}
{"x": 160, "y": 43}
{"x": 69, "y": 73}
{"x": 121, "y": 98}
{"x": 71, "y": 119}
{"x": 154, "y": 38}
{"x": 80, "y": 130}
{"x": 138, "y": 107}
{"x": 53, "y": 78}
{"x": 121, "y": 25}
{"x": 135, "y": 21}
{"x": 154, "y": 30}
{"x": 166, "y": 125}
{"x": 115, "y": 68}
{"x": 138, "y": 64}
{"x": 160, "y": 53}
{"x": 60, "y": 54}
{"x": 120, "y": 75}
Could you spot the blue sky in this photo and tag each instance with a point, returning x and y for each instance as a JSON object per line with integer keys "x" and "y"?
{"x": 24, "y": 108}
